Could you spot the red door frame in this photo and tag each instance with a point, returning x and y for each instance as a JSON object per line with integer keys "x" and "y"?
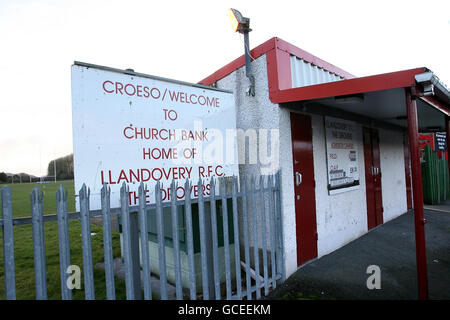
{"x": 304, "y": 187}
{"x": 373, "y": 177}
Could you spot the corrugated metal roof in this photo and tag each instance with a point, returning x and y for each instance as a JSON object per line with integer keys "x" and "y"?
{"x": 304, "y": 73}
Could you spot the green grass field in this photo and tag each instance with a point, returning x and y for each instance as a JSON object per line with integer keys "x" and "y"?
{"x": 23, "y": 246}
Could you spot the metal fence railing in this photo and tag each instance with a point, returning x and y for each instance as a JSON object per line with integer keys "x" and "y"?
{"x": 436, "y": 182}
{"x": 220, "y": 246}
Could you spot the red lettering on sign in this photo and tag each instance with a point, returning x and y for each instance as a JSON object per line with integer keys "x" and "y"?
{"x": 104, "y": 88}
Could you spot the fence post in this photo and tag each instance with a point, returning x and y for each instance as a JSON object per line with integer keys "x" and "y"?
{"x": 40, "y": 273}
{"x": 86, "y": 243}
{"x": 8, "y": 244}
{"x": 237, "y": 254}
{"x": 438, "y": 178}
{"x": 190, "y": 239}
{"x": 279, "y": 228}
{"x": 107, "y": 243}
{"x": 255, "y": 236}
{"x": 215, "y": 244}
{"x": 63, "y": 241}
{"x": 248, "y": 282}
{"x": 135, "y": 258}
{"x": 203, "y": 249}
{"x": 176, "y": 240}
{"x": 226, "y": 237}
{"x": 161, "y": 242}
{"x": 130, "y": 247}
{"x": 143, "y": 227}
{"x": 264, "y": 235}
{"x": 209, "y": 253}
{"x": 126, "y": 234}
{"x": 444, "y": 176}
{"x": 273, "y": 243}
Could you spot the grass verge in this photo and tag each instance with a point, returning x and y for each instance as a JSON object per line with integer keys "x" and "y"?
{"x": 23, "y": 246}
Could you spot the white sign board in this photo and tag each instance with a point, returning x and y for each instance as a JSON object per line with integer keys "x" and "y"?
{"x": 135, "y": 128}
{"x": 342, "y": 155}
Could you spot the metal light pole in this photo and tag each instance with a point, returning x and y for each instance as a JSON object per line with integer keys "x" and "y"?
{"x": 248, "y": 68}
{"x": 242, "y": 25}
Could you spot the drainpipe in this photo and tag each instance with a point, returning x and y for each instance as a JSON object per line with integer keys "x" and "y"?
{"x": 419, "y": 221}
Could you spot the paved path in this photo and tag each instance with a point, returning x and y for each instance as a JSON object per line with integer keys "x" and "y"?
{"x": 342, "y": 274}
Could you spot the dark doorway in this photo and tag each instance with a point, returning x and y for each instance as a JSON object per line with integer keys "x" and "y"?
{"x": 373, "y": 177}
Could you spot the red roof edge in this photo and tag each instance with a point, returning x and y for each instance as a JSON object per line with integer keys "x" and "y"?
{"x": 385, "y": 81}
{"x": 279, "y": 56}
{"x": 300, "y": 53}
{"x": 238, "y": 63}
{"x": 278, "y": 53}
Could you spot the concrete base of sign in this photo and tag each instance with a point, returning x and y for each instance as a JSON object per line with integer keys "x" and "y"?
{"x": 119, "y": 271}
{"x": 170, "y": 264}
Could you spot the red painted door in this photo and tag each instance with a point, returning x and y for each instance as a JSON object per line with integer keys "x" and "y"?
{"x": 373, "y": 177}
{"x": 304, "y": 186}
{"x": 407, "y": 171}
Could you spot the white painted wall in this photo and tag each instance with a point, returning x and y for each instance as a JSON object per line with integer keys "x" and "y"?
{"x": 341, "y": 218}
{"x": 392, "y": 166}
{"x": 287, "y": 192}
{"x": 256, "y": 113}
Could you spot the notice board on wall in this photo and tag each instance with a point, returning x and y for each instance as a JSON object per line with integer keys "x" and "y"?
{"x": 440, "y": 141}
{"x": 342, "y": 155}
{"x": 132, "y": 128}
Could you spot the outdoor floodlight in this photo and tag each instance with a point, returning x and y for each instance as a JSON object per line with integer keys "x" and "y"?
{"x": 242, "y": 25}
{"x": 238, "y": 22}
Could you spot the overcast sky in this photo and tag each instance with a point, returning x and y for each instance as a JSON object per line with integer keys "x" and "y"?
{"x": 186, "y": 40}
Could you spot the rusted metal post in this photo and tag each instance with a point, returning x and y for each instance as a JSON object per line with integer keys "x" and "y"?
{"x": 419, "y": 221}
